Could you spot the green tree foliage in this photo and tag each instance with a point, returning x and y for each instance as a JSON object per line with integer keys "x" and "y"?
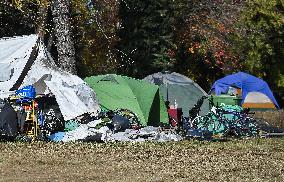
{"x": 146, "y": 36}
{"x": 95, "y": 25}
{"x": 261, "y": 40}
{"x": 17, "y": 19}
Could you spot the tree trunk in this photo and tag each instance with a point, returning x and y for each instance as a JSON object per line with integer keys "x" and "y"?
{"x": 65, "y": 46}
{"x": 41, "y": 21}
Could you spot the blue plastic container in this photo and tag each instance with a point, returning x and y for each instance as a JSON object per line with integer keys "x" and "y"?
{"x": 26, "y": 92}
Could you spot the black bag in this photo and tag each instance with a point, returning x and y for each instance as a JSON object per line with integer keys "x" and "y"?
{"x": 120, "y": 123}
{"x": 8, "y": 121}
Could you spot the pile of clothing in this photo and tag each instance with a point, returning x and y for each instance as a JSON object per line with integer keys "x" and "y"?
{"x": 119, "y": 125}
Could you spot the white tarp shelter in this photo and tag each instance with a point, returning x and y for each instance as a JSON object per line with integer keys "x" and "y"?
{"x": 24, "y": 59}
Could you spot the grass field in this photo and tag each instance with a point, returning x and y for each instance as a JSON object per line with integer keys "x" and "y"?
{"x": 234, "y": 160}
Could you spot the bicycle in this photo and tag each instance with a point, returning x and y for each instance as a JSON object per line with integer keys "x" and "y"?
{"x": 214, "y": 122}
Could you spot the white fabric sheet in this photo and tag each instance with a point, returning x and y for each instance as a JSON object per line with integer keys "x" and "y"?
{"x": 72, "y": 94}
{"x": 15, "y": 52}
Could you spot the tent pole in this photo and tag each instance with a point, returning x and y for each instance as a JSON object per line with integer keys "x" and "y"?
{"x": 167, "y": 91}
{"x": 166, "y": 73}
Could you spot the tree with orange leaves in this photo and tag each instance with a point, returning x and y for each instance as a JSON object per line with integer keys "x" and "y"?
{"x": 203, "y": 35}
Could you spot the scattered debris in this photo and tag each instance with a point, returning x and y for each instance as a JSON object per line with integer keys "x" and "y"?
{"x": 148, "y": 133}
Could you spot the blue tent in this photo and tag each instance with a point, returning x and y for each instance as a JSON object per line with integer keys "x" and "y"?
{"x": 246, "y": 82}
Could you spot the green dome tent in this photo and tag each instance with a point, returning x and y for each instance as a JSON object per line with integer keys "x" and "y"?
{"x": 174, "y": 86}
{"x": 142, "y": 98}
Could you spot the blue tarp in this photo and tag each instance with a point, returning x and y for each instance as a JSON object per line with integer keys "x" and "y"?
{"x": 57, "y": 137}
{"x": 246, "y": 82}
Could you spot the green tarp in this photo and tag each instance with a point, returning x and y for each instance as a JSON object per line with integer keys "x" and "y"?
{"x": 115, "y": 92}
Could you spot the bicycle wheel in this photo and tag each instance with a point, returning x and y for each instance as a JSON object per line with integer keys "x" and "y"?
{"x": 209, "y": 123}
{"x": 197, "y": 122}
{"x": 250, "y": 127}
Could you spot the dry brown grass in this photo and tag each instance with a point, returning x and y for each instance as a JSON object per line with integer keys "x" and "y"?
{"x": 237, "y": 160}
{"x": 275, "y": 118}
